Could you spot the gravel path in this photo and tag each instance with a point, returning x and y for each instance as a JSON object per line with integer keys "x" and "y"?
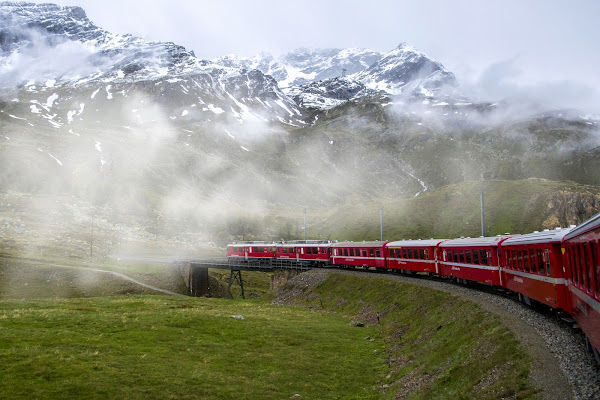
{"x": 130, "y": 279}
{"x": 562, "y": 367}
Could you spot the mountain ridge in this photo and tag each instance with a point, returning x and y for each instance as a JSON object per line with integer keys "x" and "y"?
{"x": 147, "y": 128}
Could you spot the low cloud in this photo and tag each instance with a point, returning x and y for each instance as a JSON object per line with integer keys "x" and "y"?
{"x": 507, "y": 80}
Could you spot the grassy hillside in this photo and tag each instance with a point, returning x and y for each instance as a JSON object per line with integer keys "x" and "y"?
{"x": 435, "y": 345}
{"x": 414, "y": 341}
{"x": 454, "y": 211}
{"x": 157, "y": 347}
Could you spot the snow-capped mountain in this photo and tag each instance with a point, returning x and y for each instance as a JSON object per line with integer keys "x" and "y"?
{"x": 45, "y": 47}
{"x": 406, "y": 70}
{"x": 321, "y": 79}
{"x": 76, "y": 98}
{"x": 304, "y": 66}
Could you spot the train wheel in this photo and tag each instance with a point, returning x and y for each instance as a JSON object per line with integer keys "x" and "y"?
{"x": 592, "y": 350}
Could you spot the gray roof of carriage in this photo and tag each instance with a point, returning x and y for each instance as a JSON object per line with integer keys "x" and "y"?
{"x": 590, "y": 224}
{"x": 545, "y": 236}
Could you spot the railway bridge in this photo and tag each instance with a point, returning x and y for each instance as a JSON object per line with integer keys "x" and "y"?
{"x": 195, "y": 270}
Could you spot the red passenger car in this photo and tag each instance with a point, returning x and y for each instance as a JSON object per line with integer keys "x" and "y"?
{"x": 582, "y": 261}
{"x": 472, "y": 259}
{"x": 359, "y": 254}
{"x": 251, "y": 251}
{"x": 414, "y": 255}
{"x": 305, "y": 252}
{"x": 532, "y": 267}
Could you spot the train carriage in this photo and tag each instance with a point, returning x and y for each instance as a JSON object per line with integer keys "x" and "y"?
{"x": 472, "y": 259}
{"x": 414, "y": 255}
{"x": 261, "y": 252}
{"x": 532, "y": 267}
{"x": 359, "y": 254}
{"x": 582, "y": 274}
{"x": 305, "y": 252}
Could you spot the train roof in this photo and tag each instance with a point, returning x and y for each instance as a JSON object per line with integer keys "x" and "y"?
{"x": 416, "y": 243}
{"x": 592, "y": 223}
{"x": 306, "y": 243}
{"x": 253, "y": 244}
{"x": 475, "y": 242}
{"x": 359, "y": 244}
{"x": 546, "y": 236}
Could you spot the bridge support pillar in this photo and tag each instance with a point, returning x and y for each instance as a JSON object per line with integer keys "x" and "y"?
{"x": 197, "y": 280}
{"x": 235, "y": 276}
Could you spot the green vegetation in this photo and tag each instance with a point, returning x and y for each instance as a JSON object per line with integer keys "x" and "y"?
{"x": 436, "y": 345}
{"x": 162, "y": 347}
{"x": 454, "y": 211}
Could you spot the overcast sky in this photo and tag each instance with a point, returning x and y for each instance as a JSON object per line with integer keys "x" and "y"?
{"x": 546, "y": 48}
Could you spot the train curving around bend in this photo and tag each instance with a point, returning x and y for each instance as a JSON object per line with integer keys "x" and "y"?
{"x": 558, "y": 268}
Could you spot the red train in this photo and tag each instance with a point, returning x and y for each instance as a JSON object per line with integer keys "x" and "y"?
{"x": 559, "y": 268}
{"x": 582, "y": 275}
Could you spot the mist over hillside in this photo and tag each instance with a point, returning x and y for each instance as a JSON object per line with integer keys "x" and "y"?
{"x": 155, "y": 139}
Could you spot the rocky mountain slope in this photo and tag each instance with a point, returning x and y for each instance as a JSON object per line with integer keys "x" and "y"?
{"x": 147, "y": 129}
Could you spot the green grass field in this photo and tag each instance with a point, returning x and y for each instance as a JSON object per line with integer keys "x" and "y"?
{"x": 162, "y": 347}
{"x": 437, "y": 346}
{"x": 416, "y": 342}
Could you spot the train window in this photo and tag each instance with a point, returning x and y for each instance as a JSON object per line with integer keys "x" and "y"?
{"x": 426, "y": 252}
{"x": 578, "y": 278}
{"x": 455, "y": 255}
{"x": 586, "y": 269}
{"x": 461, "y": 256}
{"x": 377, "y": 252}
{"x": 422, "y": 254}
{"x": 371, "y": 253}
{"x": 532, "y": 263}
{"x": 520, "y": 260}
{"x": 475, "y": 257}
{"x": 483, "y": 257}
{"x": 409, "y": 253}
{"x": 285, "y": 250}
{"x": 351, "y": 252}
{"x": 526, "y": 260}
{"x": 540, "y": 262}
{"x": 468, "y": 256}
{"x": 404, "y": 253}
{"x": 547, "y": 258}
{"x": 573, "y": 262}
{"x": 596, "y": 263}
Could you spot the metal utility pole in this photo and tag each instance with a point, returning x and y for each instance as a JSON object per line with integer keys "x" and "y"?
{"x": 482, "y": 215}
{"x": 381, "y": 220}
{"x": 92, "y": 239}
{"x": 304, "y": 223}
